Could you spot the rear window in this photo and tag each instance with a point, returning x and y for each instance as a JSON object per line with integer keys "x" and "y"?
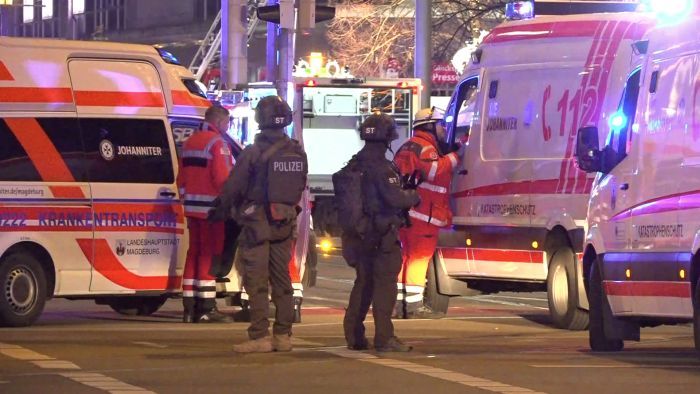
{"x": 40, "y": 149}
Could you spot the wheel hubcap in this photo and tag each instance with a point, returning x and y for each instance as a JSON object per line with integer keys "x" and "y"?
{"x": 560, "y": 290}
{"x": 20, "y": 290}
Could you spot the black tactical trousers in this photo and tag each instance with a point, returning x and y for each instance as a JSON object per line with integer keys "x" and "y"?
{"x": 377, "y": 264}
{"x": 268, "y": 262}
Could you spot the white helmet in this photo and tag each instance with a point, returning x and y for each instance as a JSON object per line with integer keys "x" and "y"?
{"x": 427, "y": 116}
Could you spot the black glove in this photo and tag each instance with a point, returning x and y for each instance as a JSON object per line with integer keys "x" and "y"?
{"x": 412, "y": 181}
{"x": 216, "y": 213}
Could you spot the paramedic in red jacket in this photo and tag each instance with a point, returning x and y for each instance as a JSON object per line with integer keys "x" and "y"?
{"x": 205, "y": 164}
{"x": 421, "y": 153}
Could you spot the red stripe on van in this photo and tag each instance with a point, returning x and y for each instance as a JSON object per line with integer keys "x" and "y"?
{"x": 67, "y": 191}
{"x": 530, "y": 31}
{"x": 648, "y": 289}
{"x": 5, "y": 74}
{"x": 35, "y": 95}
{"x": 454, "y": 253}
{"x": 541, "y": 186}
{"x": 118, "y": 99}
{"x": 41, "y": 151}
{"x": 183, "y": 97}
{"x": 506, "y": 256}
{"x": 104, "y": 261}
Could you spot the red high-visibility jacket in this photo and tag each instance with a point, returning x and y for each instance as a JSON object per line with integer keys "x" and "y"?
{"x": 421, "y": 153}
{"x": 205, "y": 164}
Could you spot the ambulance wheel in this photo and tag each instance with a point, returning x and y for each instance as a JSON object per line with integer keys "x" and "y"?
{"x": 136, "y": 306}
{"x": 562, "y": 291}
{"x": 597, "y": 339}
{"x": 310, "y": 270}
{"x": 432, "y": 298}
{"x": 696, "y": 316}
{"x": 23, "y": 282}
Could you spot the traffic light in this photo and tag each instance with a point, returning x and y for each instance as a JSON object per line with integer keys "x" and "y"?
{"x": 283, "y": 14}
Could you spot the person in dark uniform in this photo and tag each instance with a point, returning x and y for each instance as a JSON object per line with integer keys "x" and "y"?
{"x": 376, "y": 254}
{"x": 262, "y": 195}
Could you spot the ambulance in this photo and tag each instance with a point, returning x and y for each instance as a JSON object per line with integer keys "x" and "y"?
{"x": 641, "y": 260}
{"x": 519, "y": 201}
{"x": 89, "y": 208}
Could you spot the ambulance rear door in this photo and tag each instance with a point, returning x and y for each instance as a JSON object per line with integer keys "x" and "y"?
{"x": 137, "y": 218}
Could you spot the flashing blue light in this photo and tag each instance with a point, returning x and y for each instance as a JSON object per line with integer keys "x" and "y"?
{"x": 168, "y": 57}
{"x": 520, "y": 10}
{"x": 671, "y": 8}
{"x": 618, "y": 121}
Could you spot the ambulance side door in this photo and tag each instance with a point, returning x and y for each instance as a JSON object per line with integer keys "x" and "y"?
{"x": 137, "y": 217}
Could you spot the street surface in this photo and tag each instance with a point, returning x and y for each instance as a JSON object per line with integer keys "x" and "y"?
{"x": 498, "y": 343}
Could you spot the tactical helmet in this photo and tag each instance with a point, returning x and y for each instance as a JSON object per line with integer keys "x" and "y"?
{"x": 426, "y": 118}
{"x": 273, "y": 113}
{"x": 378, "y": 127}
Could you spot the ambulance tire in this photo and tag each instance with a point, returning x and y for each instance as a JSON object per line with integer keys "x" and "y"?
{"x": 432, "y": 298}
{"x": 597, "y": 339}
{"x": 562, "y": 292}
{"x": 23, "y": 284}
{"x": 310, "y": 266}
{"x": 136, "y": 306}
{"x": 696, "y": 316}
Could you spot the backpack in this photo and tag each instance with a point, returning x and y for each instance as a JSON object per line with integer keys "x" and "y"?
{"x": 348, "y": 204}
{"x": 286, "y": 167}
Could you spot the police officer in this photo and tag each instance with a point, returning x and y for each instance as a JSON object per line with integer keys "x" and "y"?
{"x": 376, "y": 255}
{"x": 205, "y": 164}
{"x": 262, "y": 195}
{"x": 422, "y": 154}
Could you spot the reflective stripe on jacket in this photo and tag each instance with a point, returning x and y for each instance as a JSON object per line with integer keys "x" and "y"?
{"x": 205, "y": 164}
{"x": 420, "y": 153}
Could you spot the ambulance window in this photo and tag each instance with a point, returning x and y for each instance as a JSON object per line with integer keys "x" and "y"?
{"x": 461, "y": 109}
{"x": 127, "y": 150}
{"x": 624, "y": 116}
{"x": 195, "y": 87}
{"x": 63, "y": 137}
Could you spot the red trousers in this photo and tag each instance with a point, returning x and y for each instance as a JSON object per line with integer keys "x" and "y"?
{"x": 198, "y": 284}
{"x": 418, "y": 244}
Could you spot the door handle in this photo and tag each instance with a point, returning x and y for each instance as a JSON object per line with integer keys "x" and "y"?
{"x": 168, "y": 193}
{"x": 624, "y": 186}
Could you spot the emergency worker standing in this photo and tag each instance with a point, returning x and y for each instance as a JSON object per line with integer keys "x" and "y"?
{"x": 263, "y": 196}
{"x": 205, "y": 164}
{"x": 373, "y": 248}
{"x": 421, "y": 154}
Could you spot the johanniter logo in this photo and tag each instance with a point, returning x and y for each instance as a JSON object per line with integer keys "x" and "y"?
{"x": 106, "y": 150}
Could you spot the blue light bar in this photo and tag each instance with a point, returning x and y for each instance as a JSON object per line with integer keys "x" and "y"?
{"x": 520, "y": 10}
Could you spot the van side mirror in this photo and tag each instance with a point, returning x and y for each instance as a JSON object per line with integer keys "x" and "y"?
{"x": 588, "y": 154}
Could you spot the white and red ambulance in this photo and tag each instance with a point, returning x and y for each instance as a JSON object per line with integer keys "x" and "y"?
{"x": 643, "y": 228}
{"x": 519, "y": 200}
{"x": 88, "y": 202}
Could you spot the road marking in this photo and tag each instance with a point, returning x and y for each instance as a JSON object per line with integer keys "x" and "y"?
{"x": 438, "y": 373}
{"x": 346, "y": 281}
{"x": 614, "y": 366}
{"x": 20, "y": 353}
{"x": 479, "y": 298}
{"x": 102, "y": 382}
{"x": 95, "y": 380}
{"x": 150, "y": 344}
{"x": 303, "y": 342}
{"x": 55, "y": 364}
{"x": 520, "y": 298}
